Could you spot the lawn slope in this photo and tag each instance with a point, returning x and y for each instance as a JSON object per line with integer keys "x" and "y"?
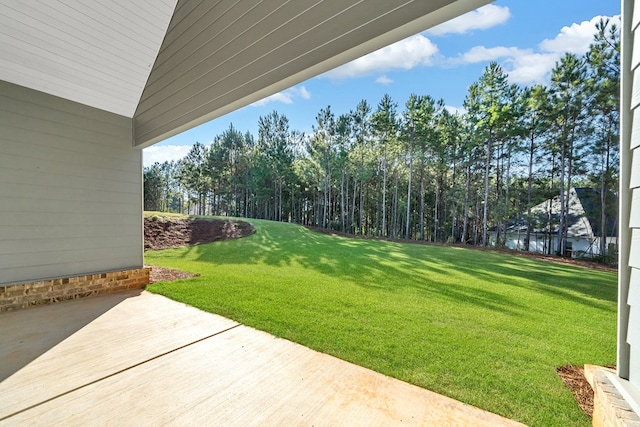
{"x": 485, "y": 328}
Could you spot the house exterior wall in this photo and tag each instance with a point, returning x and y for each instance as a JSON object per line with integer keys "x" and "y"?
{"x": 579, "y": 246}
{"x": 70, "y": 188}
{"x": 629, "y": 263}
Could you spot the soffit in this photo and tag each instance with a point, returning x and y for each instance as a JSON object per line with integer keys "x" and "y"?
{"x": 98, "y": 53}
{"x": 174, "y": 64}
{"x": 220, "y": 56}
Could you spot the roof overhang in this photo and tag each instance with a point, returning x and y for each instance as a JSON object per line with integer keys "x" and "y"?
{"x": 173, "y": 64}
{"x": 96, "y": 53}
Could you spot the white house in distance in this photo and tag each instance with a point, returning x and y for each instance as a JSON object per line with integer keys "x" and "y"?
{"x": 583, "y": 225}
{"x": 84, "y": 86}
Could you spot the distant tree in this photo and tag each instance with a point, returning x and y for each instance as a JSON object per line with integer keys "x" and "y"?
{"x": 568, "y": 109}
{"x": 603, "y": 59}
{"x": 385, "y": 125}
{"x": 343, "y": 146}
{"x": 153, "y": 184}
{"x": 535, "y": 120}
{"x": 488, "y": 110}
{"x": 361, "y": 125}
{"x": 412, "y": 127}
{"x": 194, "y": 176}
{"x": 276, "y": 159}
{"x": 322, "y": 150}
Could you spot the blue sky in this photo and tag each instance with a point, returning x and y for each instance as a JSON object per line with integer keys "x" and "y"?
{"x": 525, "y": 37}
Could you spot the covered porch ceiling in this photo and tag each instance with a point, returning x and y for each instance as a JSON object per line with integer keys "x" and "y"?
{"x": 171, "y": 65}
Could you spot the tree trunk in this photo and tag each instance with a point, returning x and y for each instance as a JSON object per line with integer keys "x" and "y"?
{"x": 353, "y": 207}
{"x": 384, "y": 190}
{"x": 485, "y": 208}
{"x": 436, "y": 210}
{"x": 360, "y": 212}
{"x": 565, "y": 230}
{"x": 604, "y": 189}
{"x": 395, "y": 233}
{"x": 499, "y": 208}
{"x": 467, "y": 190}
{"x": 421, "y": 219}
{"x": 408, "y": 223}
{"x": 560, "y": 243}
{"x": 342, "y": 213}
{"x": 454, "y": 203}
{"x": 506, "y": 194}
{"x": 527, "y": 238}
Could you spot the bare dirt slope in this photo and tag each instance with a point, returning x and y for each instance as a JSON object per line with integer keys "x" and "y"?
{"x": 174, "y": 232}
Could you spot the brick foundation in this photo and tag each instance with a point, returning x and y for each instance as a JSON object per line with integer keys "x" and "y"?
{"x": 24, "y": 295}
{"x": 610, "y": 409}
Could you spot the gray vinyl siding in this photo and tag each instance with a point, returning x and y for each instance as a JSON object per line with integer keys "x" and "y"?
{"x": 633, "y": 301}
{"x": 634, "y": 319}
{"x": 220, "y": 56}
{"x": 629, "y": 273}
{"x": 70, "y": 188}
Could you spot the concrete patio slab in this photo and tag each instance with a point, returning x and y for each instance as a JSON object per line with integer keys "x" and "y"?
{"x": 142, "y": 359}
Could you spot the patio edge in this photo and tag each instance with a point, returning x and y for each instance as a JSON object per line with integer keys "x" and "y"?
{"x": 610, "y": 405}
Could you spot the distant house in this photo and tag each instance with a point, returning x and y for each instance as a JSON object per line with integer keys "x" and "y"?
{"x": 583, "y": 225}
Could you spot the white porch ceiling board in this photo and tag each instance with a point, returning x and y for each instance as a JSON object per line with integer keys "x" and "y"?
{"x": 92, "y": 52}
{"x": 215, "y": 26}
{"x": 248, "y": 31}
{"x": 215, "y": 60}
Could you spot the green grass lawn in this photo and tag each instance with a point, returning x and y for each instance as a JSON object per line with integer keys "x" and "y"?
{"x": 485, "y": 328}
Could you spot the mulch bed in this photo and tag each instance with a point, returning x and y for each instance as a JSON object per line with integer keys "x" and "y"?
{"x": 168, "y": 232}
{"x": 573, "y": 378}
{"x": 163, "y": 274}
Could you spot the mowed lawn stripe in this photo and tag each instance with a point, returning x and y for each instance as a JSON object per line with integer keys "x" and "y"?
{"x": 486, "y": 328}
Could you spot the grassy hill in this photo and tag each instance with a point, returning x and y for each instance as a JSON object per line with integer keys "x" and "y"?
{"x": 485, "y": 328}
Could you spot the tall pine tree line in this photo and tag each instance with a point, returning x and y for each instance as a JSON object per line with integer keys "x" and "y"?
{"x": 418, "y": 172}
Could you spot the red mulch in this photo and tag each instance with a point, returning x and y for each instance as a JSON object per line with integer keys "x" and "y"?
{"x": 573, "y": 377}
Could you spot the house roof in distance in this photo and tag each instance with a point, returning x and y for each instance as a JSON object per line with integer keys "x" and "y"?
{"x": 583, "y": 215}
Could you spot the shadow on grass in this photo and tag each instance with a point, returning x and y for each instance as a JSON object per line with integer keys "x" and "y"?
{"x": 426, "y": 269}
{"x": 482, "y": 327}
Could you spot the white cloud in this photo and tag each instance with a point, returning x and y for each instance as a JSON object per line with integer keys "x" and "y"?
{"x": 405, "y": 54}
{"x": 480, "y": 19}
{"x": 482, "y": 54}
{"x": 304, "y": 93}
{"x": 282, "y": 97}
{"x": 164, "y": 153}
{"x": 285, "y": 97}
{"x": 529, "y": 66}
{"x": 455, "y": 110}
{"x": 384, "y": 80}
{"x": 575, "y": 38}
